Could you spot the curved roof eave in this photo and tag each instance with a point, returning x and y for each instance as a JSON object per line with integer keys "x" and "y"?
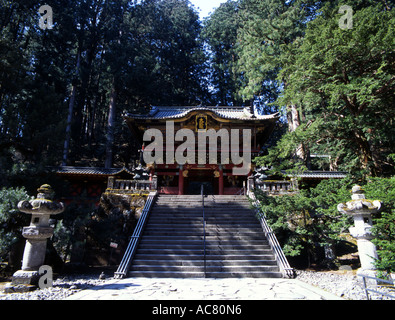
{"x": 229, "y": 113}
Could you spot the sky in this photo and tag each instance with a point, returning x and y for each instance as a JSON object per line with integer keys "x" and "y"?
{"x": 204, "y": 7}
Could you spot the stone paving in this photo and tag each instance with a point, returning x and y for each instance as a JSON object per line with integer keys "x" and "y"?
{"x": 204, "y": 289}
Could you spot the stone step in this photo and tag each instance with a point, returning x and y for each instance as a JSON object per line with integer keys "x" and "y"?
{"x": 199, "y": 206}
{"x": 242, "y": 201}
{"x": 210, "y": 249}
{"x": 210, "y": 241}
{"x": 188, "y": 255}
{"x": 165, "y": 274}
{"x": 195, "y": 196}
{"x": 209, "y": 217}
{"x": 232, "y": 212}
{"x": 183, "y": 268}
{"x": 210, "y": 220}
{"x": 187, "y": 202}
{"x": 244, "y": 274}
{"x": 210, "y": 231}
{"x": 172, "y": 274}
{"x": 172, "y": 242}
{"x": 208, "y": 262}
{"x": 185, "y": 214}
{"x": 198, "y": 223}
{"x": 199, "y": 226}
{"x": 216, "y": 252}
{"x": 209, "y": 236}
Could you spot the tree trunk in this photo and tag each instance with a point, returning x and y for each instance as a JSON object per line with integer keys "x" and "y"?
{"x": 110, "y": 128}
{"x": 70, "y": 114}
{"x": 294, "y": 119}
{"x": 365, "y": 153}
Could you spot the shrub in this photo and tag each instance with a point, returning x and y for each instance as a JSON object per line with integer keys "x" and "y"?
{"x": 11, "y": 219}
{"x": 383, "y": 189}
{"x": 309, "y": 221}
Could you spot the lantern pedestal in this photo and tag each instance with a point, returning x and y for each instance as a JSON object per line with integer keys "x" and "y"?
{"x": 361, "y": 210}
{"x": 36, "y": 235}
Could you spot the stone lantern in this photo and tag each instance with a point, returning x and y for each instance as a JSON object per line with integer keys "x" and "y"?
{"x": 36, "y": 234}
{"x": 361, "y": 210}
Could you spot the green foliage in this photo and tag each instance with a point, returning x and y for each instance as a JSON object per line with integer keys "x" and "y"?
{"x": 71, "y": 228}
{"x": 220, "y": 33}
{"x": 11, "y": 219}
{"x": 335, "y": 84}
{"x": 343, "y": 82}
{"x": 291, "y": 54}
{"x": 150, "y": 49}
{"x": 383, "y": 189}
{"x": 308, "y": 221}
{"x": 384, "y": 229}
{"x": 268, "y": 27}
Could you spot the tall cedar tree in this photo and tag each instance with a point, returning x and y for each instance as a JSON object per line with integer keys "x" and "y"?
{"x": 63, "y": 90}
{"x": 345, "y": 81}
{"x": 268, "y": 28}
{"x": 220, "y": 33}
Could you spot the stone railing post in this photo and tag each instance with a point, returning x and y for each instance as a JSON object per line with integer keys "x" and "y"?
{"x": 110, "y": 183}
{"x": 154, "y": 182}
{"x": 250, "y": 184}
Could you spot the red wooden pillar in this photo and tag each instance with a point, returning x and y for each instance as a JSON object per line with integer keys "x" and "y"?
{"x": 151, "y": 173}
{"x": 180, "y": 181}
{"x": 221, "y": 181}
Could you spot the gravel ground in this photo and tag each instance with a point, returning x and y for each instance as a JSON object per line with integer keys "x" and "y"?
{"x": 63, "y": 287}
{"x": 343, "y": 284}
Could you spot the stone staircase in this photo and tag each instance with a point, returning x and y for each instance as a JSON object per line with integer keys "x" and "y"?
{"x": 172, "y": 242}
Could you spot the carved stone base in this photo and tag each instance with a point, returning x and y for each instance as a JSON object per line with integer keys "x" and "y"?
{"x": 23, "y": 281}
{"x": 26, "y": 277}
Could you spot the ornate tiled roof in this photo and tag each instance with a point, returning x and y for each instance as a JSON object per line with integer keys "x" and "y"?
{"x": 91, "y": 170}
{"x": 320, "y": 175}
{"x": 170, "y": 112}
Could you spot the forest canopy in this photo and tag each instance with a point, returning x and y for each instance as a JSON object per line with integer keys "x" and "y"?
{"x": 63, "y": 90}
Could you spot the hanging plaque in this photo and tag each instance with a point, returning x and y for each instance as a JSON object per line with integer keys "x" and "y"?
{"x": 201, "y": 122}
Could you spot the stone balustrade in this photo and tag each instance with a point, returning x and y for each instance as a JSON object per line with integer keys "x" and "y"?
{"x": 127, "y": 186}
{"x": 272, "y": 186}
